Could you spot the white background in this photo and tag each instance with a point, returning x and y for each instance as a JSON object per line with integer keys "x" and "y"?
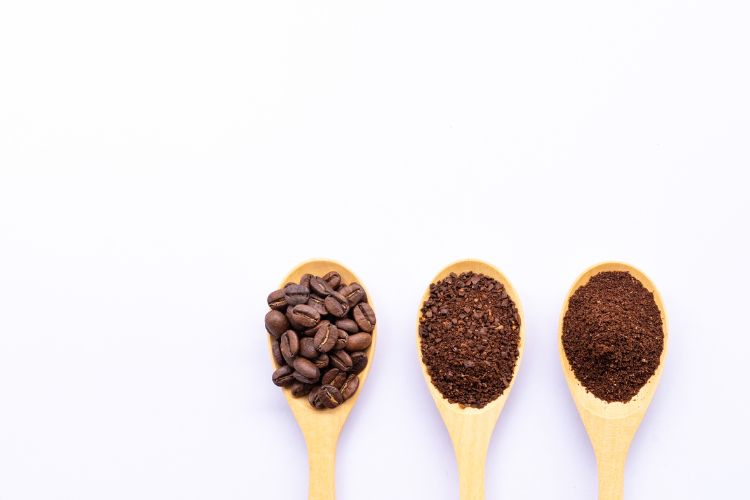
{"x": 164, "y": 164}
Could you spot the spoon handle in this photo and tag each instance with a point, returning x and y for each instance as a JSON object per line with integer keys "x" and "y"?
{"x": 611, "y": 476}
{"x": 471, "y": 438}
{"x": 321, "y": 455}
{"x": 471, "y": 461}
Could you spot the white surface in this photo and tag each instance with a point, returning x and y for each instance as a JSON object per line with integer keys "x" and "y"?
{"x": 159, "y": 159}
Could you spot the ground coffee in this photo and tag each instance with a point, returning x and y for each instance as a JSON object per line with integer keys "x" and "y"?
{"x": 469, "y": 330}
{"x": 612, "y": 335}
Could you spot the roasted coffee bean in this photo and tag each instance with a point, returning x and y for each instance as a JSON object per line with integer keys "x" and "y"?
{"x": 306, "y": 368}
{"x": 350, "y": 386}
{"x": 296, "y": 294}
{"x": 320, "y": 286}
{"x": 342, "y": 340}
{"x": 336, "y": 304}
{"x": 364, "y": 316}
{"x": 330, "y": 396}
{"x": 307, "y": 348}
{"x": 359, "y": 361}
{"x": 317, "y": 303}
{"x": 310, "y": 332}
{"x": 354, "y": 293}
{"x": 276, "y": 351}
{"x": 306, "y": 316}
{"x": 301, "y": 378}
{"x": 292, "y": 321}
{"x": 277, "y": 300}
{"x": 322, "y": 361}
{"x": 333, "y": 279}
{"x": 313, "y": 398}
{"x": 359, "y": 342}
{"x": 276, "y": 323}
{"x": 329, "y": 375}
{"x": 341, "y": 360}
{"x": 326, "y": 338}
{"x": 338, "y": 380}
{"x": 300, "y": 389}
{"x": 305, "y": 280}
{"x": 289, "y": 345}
{"x": 283, "y": 376}
{"x": 348, "y": 325}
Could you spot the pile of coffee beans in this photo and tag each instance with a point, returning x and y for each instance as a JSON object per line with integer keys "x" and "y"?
{"x": 321, "y": 329}
{"x": 613, "y": 336}
{"x": 469, "y": 331}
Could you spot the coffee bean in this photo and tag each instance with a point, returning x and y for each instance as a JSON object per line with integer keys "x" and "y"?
{"x": 336, "y": 304}
{"x": 342, "y": 340}
{"x": 364, "y": 316}
{"x": 317, "y": 303}
{"x": 354, "y": 293}
{"x": 300, "y": 389}
{"x": 277, "y": 300}
{"x": 283, "y": 376}
{"x": 359, "y": 361}
{"x": 348, "y": 325}
{"x": 296, "y": 294}
{"x": 306, "y": 368}
{"x": 276, "y": 323}
{"x": 338, "y": 380}
{"x": 330, "y": 396}
{"x": 320, "y": 286}
{"x": 276, "y": 351}
{"x": 359, "y": 342}
{"x": 333, "y": 279}
{"x": 350, "y": 386}
{"x": 306, "y": 316}
{"x": 329, "y": 375}
{"x": 301, "y": 378}
{"x": 341, "y": 360}
{"x": 289, "y": 345}
{"x": 325, "y": 339}
{"x": 310, "y": 332}
{"x": 305, "y": 280}
{"x": 307, "y": 348}
{"x": 292, "y": 321}
{"x": 313, "y": 398}
{"x": 322, "y": 361}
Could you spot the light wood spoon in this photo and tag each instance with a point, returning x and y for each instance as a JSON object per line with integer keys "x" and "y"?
{"x": 611, "y": 426}
{"x": 321, "y": 428}
{"x": 470, "y": 429}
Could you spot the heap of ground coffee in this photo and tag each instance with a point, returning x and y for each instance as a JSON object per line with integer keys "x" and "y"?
{"x": 612, "y": 335}
{"x": 469, "y": 330}
{"x": 322, "y": 331}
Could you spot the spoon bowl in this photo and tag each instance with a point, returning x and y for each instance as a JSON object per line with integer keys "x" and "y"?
{"x": 321, "y": 428}
{"x": 611, "y": 426}
{"x": 470, "y": 428}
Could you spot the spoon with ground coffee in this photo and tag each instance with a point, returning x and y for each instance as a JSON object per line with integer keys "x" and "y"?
{"x": 321, "y": 428}
{"x": 613, "y": 342}
{"x": 470, "y": 337}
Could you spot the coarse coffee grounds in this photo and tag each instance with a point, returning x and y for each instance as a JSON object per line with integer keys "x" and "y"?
{"x": 612, "y": 335}
{"x": 469, "y": 331}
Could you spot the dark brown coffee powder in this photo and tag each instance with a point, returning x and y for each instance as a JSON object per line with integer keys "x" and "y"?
{"x": 612, "y": 335}
{"x": 469, "y": 331}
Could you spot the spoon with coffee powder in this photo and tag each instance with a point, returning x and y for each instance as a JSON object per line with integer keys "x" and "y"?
{"x": 613, "y": 341}
{"x": 321, "y": 427}
{"x": 470, "y": 337}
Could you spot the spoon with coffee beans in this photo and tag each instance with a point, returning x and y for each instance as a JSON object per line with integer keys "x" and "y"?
{"x": 613, "y": 342}
{"x": 321, "y": 334}
{"x": 470, "y": 338}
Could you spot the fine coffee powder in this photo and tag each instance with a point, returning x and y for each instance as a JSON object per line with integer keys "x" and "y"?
{"x": 469, "y": 330}
{"x": 612, "y": 335}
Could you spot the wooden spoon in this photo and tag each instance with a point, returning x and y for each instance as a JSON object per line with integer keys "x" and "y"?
{"x": 321, "y": 428}
{"x": 611, "y": 426}
{"x": 470, "y": 429}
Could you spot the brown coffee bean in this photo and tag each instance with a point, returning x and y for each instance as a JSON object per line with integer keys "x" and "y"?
{"x": 359, "y": 342}
{"x": 317, "y": 303}
{"x": 336, "y": 304}
{"x": 305, "y": 280}
{"x": 325, "y": 338}
{"x": 306, "y": 316}
{"x": 320, "y": 286}
{"x": 338, "y": 380}
{"x": 296, "y": 294}
{"x": 359, "y": 361}
{"x": 291, "y": 320}
{"x": 301, "y": 378}
{"x": 299, "y": 389}
{"x": 364, "y": 316}
{"x": 322, "y": 361}
{"x": 350, "y": 386}
{"x": 310, "y": 332}
{"x": 307, "y": 348}
{"x": 276, "y": 352}
{"x": 314, "y": 399}
{"x": 306, "y": 369}
{"x": 329, "y": 375}
{"x": 342, "y": 340}
{"x": 354, "y": 293}
{"x": 348, "y": 325}
{"x": 276, "y": 323}
{"x": 283, "y": 376}
{"x": 330, "y": 396}
{"x": 277, "y": 300}
{"x": 333, "y": 279}
{"x": 341, "y": 360}
{"x": 289, "y": 345}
